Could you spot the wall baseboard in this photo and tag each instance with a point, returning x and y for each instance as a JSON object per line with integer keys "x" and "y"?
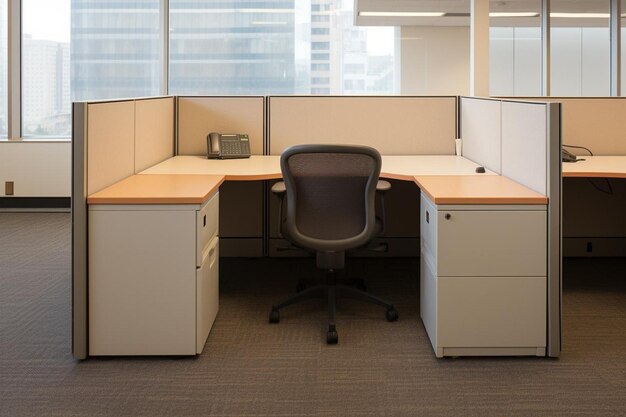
{"x": 35, "y": 203}
{"x": 591, "y": 247}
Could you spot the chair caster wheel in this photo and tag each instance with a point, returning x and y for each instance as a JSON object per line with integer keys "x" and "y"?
{"x": 274, "y": 316}
{"x": 300, "y": 287}
{"x": 332, "y": 337}
{"x": 392, "y": 314}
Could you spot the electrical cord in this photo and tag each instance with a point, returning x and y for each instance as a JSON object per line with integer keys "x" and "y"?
{"x": 608, "y": 190}
{"x": 609, "y": 187}
{"x": 578, "y": 147}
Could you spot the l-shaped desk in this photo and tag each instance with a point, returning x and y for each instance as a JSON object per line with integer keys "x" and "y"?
{"x": 154, "y": 256}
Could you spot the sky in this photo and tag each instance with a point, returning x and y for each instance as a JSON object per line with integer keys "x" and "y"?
{"x": 47, "y": 19}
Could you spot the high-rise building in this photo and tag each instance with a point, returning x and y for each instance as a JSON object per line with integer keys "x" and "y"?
{"x": 236, "y": 47}
{"x": 46, "y": 105}
{"x": 116, "y": 49}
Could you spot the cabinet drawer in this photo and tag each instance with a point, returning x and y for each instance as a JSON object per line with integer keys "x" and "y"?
{"x": 428, "y": 227}
{"x": 491, "y": 243}
{"x": 207, "y": 294}
{"x": 491, "y": 312}
{"x": 207, "y": 226}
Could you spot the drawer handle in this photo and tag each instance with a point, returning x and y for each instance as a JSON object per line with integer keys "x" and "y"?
{"x": 204, "y": 221}
{"x": 427, "y": 217}
{"x": 448, "y": 216}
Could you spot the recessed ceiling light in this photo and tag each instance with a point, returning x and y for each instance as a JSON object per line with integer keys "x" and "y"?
{"x": 513, "y": 14}
{"x": 401, "y": 14}
{"x": 581, "y": 15}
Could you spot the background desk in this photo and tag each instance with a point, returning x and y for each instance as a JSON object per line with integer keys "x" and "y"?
{"x": 483, "y": 256}
{"x": 594, "y": 200}
{"x": 596, "y": 167}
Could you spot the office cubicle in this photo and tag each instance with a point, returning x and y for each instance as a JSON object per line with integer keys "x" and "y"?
{"x": 592, "y": 208}
{"x": 115, "y": 139}
{"x": 522, "y": 141}
{"x": 401, "y": 125}
{"x": 111, "y": 140}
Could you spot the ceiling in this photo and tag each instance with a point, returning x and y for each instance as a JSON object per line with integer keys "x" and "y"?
{"x": 457, "y": 12}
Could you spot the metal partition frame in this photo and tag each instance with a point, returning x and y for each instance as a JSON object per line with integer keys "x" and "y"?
{"x": 79, "y": 231}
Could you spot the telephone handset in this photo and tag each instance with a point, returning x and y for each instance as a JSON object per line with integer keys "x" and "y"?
{"x": 567, "y": 156}
{"x": 227, "y": 146}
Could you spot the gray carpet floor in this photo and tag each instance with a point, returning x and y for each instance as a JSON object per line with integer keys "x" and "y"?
{"x": 251, "y": 368}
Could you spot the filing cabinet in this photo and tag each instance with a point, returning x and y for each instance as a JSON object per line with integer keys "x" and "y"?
{"x": 154, "y": 271}
{"x": 483, "y": 278}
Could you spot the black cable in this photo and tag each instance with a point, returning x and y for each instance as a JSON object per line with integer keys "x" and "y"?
{"x": 578, "y": 147}
{"x": 609, "y": 191}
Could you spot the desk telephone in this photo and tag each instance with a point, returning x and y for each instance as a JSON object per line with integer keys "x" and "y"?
{"x": 567, "y": 156}
{"x": 227, "y": 146}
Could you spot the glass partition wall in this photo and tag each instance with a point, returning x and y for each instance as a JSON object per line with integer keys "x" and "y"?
{"x": 515, "y": 48}
{"x": 580, "y": 48}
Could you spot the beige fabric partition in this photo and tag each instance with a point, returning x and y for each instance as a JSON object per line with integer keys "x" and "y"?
{"x": 393, "y": 125}
{"x": 110, "y": 143}
{"x": 154, "y": 132}
{"x": 525, "y": 144}
{"x": 597, "y": 123}
{"x": 198, "y": 116}
{"x": 481, "y": 131}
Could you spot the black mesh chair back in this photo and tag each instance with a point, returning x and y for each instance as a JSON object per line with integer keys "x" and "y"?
{"x": 331, "y": 191}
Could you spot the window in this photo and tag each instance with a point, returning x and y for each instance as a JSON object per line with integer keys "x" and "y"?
{"x": 320, "y": 31}
{"x": 320, "y": 46}
{"x": 46, "y": 104}
{"x": 3, "y": 67}
{"x": 580, "y": 48}
{"x": 116, "y": 49}
{"x": 275, "y": 47}
{"x": 515, "y": 49}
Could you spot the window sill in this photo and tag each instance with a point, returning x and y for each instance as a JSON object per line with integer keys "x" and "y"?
{"x": 35, "y": 140}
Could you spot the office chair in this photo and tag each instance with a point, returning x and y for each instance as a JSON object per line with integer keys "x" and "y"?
{"x": 330, "y": 193}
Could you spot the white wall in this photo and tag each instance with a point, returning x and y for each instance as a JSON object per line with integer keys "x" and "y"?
{"x": 435, "y": 60}
{"x": 38, "y": 169}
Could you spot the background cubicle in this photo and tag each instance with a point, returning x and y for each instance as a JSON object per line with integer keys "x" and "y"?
{"x": 115, "y": 139}
{"x": 592, "y": 215}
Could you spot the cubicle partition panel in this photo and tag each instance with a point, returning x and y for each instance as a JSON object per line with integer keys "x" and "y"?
{"x": 198, "y": 116}
{"x": 111, "y": 140}
{"x": 481, "y": 133}
{"x": 154, "y": 132}
{"x": 527, "y": 138}
{"x": 393, "y": 125}
{"x": 592, "y": 205}
{"x": 242, "y": 203}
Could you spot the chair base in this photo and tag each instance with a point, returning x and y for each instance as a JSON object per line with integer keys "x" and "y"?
{"x": 331, "y": 290}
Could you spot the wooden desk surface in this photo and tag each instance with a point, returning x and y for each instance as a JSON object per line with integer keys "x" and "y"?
{"x": 159, "y": 189}
{"x": 401, "y": 167}
{"x": 489, "y": 189}
{"x": 596, "y": 166}
{"x": 445, "y": 179}
{"x": 254, "y": 168}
